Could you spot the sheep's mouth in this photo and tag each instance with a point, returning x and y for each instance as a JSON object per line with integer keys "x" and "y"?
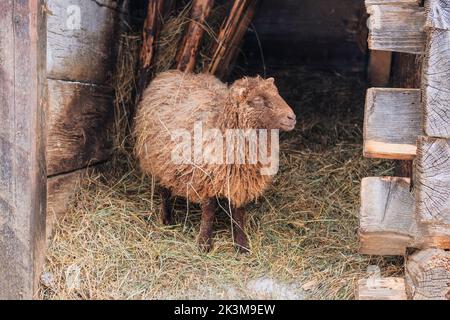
{"x": 284, "y": 126}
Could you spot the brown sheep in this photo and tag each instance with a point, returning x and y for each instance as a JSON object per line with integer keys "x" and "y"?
{"x": 175, "y": 102}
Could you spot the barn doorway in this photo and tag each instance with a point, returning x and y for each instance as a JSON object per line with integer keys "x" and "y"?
{"x": 303, "y": 231}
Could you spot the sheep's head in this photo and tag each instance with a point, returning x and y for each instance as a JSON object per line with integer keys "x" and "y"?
{"x": 260, "y": 104}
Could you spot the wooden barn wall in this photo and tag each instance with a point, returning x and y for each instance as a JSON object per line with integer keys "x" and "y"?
{"x": 320, "y": 32}
{"x": 82, "y": 40}
{"x": 82, "y": 43}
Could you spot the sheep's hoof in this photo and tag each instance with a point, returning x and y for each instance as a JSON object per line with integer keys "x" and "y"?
{"x": 167, "y": 221}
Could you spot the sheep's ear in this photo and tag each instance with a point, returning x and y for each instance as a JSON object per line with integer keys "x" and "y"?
{"x": 270, "y": 80}
{"x": 239, "y": 92}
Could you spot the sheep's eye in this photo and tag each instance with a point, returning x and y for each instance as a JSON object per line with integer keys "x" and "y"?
{"x": 259, "y": 102}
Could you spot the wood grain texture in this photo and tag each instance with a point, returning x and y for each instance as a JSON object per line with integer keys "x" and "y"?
{"x": 22, "y": 152}
{"x": 80, "y": 120}
{"x": 191, "y": 41}
{"x": 406, "y": 73}
{"x": 438, "y": 14}
{"x": 150, "y": 32}
{"x": 396, "y": 28}
{"x": 436, "y": 84}
{"x": 388, "y": 224}
{"x": 59, "y": 191}
{"x": 392, "y": 123}
{"x": 433, "y": 180}
{"x": 381, "y": 289}
{"x": 379, "y": 70}
{"x": 230, "y": 35}
{"x": 81, "y": 40}
{"x": 427, "y": 275}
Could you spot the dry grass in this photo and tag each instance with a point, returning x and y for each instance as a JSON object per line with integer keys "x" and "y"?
{"x": 302, "y": 232}
{"x": 173, "y": 30}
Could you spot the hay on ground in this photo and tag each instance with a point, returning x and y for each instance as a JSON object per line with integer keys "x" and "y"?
{"x": 303, "y": 232}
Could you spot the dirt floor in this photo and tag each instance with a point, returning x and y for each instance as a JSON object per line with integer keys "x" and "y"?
{"x": 303, "y": 231}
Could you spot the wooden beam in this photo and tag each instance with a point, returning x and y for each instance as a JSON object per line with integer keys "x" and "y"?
{"x": 150, "y": 32}
{"x": 388, "y": 224}
{"x": 22, "y": 152}
{"x": 381, "y": 289}
{"x": 188, "y": 50}
{"x": 433, "y": 181}
{"x": 396, "y": 28}
{"x": 392, "y": 123}
{"x": 438, "y": 14}
{"x": 82, "y": 40}
{"x": 231, "y": 33}
{"x": 436, "y": 84}
{"x": 379, "y": 71}
{"x": 80, "y": 119}
{"x": 427, "y": 275}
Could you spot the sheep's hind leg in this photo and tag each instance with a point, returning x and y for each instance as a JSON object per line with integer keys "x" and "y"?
{"x": 166, "y": 207}
{"x": 206, "y": 225}
{"x": 238, "y": 221}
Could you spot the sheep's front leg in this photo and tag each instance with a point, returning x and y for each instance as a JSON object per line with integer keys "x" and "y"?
{"x": 166, "y": 207}
{"x": 240, "y": 238}
{"x": 206, "y": 225}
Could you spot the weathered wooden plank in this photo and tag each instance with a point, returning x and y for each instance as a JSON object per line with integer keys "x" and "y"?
{"x": 396, "y": 28}
{"x": 433, "y": 180}
{"x": 379, "y": 70}
{"x": 392, "y": 123}
{"x": 150, "y": 33}
{"x": 60, "y": 190}
{"x": 81, "y": 40}
{"x": 427, "y": 275}
{"x": 381, "y": 289}
{"x": 388, "y": 224}
{"x": 80, "y": 120}
{"x": 188, "y": 50}
{"x": 22, "y": 153}
{"x": 438, "y": 14}
{"x": 436, "y": 84}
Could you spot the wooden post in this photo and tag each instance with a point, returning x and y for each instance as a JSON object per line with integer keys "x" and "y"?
{"x": 436, "y": 84}
{"x": 188, "y": 51}
{"x": 22, "y": 149}
{"x": 231, "y": 33}
{"x": 150, "y": 32}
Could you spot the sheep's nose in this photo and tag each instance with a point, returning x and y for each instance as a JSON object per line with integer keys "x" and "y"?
{"x": 292, "y": 117}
